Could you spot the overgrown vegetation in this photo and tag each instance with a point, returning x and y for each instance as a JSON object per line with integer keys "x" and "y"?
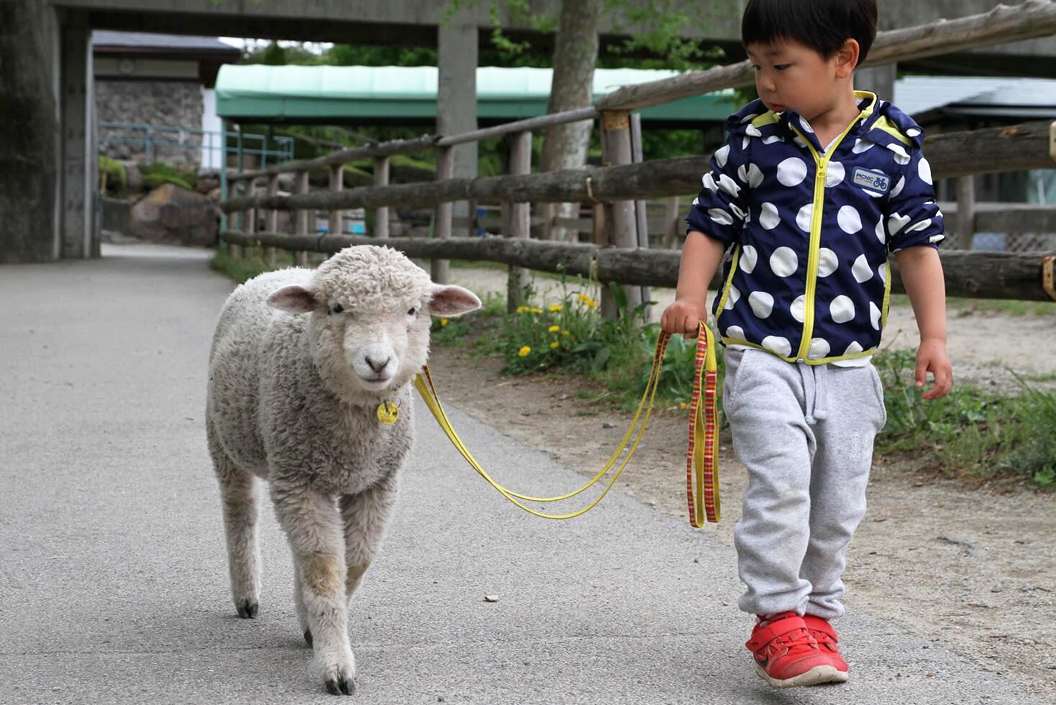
{"x": 159, "y": 173}
{"x": 115, "y": 173}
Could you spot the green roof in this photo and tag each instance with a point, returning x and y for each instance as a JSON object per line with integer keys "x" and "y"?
{"x": 365, "y": 94}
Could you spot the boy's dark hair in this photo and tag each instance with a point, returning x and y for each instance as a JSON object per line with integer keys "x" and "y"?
{"x": 822, "y": 25}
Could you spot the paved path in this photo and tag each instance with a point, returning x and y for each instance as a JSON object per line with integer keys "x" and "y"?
{"x": 113, "y": 578}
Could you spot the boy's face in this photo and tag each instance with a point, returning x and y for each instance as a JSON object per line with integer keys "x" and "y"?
{"x": 789, "y": 74}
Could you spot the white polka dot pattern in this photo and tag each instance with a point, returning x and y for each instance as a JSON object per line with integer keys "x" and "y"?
{"x": 722, "y": 155}
{"x": 834, "y": 175}
{"x": 881, "y": 232}
{"x": 924, "y": 169}
{"x": 729, "y": 186}
{"x": 762, "y": 304}
{"x": 842, "y": 309}
{"x": 861, "y": 146}
{"x": 874, "y": 315}
{"x": 720, "y": 216}
{"x": 798, "y": 308}
{"x": 735, "y": 332}
{"x": 750, "y": 175}
{"x": 784, "y": 262}
{"x": 849, "y": 220}
{"x": 819, "y": 348}
{"x": 828, "y": 262}
{"x": 896, "y": 222}
{"x": 748, "y": 259}
{"x": 778, "y": 344}
{"x": 861, "y": 270}
{"x": 804, "y": 217}
{"x": 853, "y": 349}
{"x": 791, "y": 172}
{"x": 733, "y": 298}
{"x": 898, "y": 187}
{"x": 769, "y": 218}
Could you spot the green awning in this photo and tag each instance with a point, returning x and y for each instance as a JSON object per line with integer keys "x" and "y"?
{"x": 365, "y": 94}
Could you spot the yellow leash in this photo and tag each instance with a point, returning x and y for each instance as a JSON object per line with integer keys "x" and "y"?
{"x": 702, "y": 458}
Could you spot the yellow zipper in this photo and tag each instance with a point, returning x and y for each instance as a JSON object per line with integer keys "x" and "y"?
{"x": 815, "y": 236}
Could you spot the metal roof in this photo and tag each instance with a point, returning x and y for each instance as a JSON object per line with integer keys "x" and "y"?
{"x": 164, "y": 42}
{"x": 292, "y": 93}
{"x": 1007, "y": 96}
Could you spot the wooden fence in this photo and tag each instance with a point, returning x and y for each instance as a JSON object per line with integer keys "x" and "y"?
{"x": 617, "y": 189}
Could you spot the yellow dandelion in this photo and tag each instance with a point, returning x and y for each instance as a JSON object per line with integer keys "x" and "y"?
{"x": 555, "y": 345}
{"x": 565, "y": 332}
{"x": 523, "y": 352}
{"x": 536, "y": 310}
{"x": 523, "y": 309}
{"x": 555, "y": 308}
{"x": 443, "y": 322}
{"x": 682, "y": 405}
{"x": 587, "y": 301}
{"x": 553, "y": 329}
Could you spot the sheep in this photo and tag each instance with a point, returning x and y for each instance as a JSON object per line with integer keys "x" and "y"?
{"x": 300, "y": 363}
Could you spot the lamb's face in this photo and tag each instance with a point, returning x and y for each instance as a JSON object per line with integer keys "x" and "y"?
{"x": 370, "y": 309}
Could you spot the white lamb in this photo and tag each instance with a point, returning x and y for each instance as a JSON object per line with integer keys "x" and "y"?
{"x": 300, "y": 363}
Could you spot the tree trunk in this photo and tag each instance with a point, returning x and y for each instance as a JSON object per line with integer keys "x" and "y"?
{"x": 575, "y": 54}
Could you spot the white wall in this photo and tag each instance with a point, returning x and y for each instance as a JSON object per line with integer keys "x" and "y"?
{"x": 211, "y": 125}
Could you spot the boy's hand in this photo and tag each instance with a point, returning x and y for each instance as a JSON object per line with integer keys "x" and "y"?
{"x": 932, "y": 357}
{"x": 684, "y": 316}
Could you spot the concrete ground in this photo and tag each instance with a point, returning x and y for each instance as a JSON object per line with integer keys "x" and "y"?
{"x": 113, "y": 582}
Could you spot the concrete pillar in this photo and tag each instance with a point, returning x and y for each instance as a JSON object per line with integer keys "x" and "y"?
{"x": 29, "y": 160}
{"x": 456, "y": 102}
{"x": 80, "y": 165}
{"x": 879, "y": 80}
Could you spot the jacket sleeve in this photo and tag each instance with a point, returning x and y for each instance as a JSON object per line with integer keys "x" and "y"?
{"x": 913, "y": 216}
{"x": 722, "y": 206}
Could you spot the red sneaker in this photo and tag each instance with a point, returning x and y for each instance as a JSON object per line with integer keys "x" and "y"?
{"x": 786, "y": 655}
{"x": 825, "y": 635}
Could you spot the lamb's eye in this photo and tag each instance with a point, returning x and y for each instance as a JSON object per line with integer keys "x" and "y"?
{"x": 412, "y": 312}
{"x": 337, "y": 308}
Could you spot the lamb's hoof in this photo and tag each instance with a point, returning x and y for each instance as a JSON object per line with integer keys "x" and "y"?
{"x": 247, "y": 609}
{"x": 341, "y": 686}
{"x": 308, "y": 637}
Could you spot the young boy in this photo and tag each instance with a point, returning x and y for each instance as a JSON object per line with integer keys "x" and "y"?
{"x": 813, "y": 188}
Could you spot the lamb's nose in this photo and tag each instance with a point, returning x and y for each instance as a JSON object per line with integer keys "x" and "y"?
{"x": 377, "y": 365}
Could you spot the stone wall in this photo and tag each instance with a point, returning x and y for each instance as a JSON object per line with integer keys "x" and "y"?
{"x": 160, "y": 103}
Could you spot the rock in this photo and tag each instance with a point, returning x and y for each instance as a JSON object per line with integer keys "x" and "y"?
{"x": 134, "y": 184}
{"x": 174, "y": 215}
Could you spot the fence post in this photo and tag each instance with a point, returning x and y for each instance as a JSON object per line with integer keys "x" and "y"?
{"x": 337, "y": 185}
{"x": 251, "y": 213}
{"x": 381, "y": 215}
{"x": 642, "y": 219}
{"x": 671, "y": 207}
{"x": 272, "y": 222}
{"x": 300, "y": 258}
{"x": 965, "y": 212}
{"x": 236, "y": 251}
{"x": 520, "y": 218}
{"x": 619, "y": 215}
{"x": 445, "y": 167}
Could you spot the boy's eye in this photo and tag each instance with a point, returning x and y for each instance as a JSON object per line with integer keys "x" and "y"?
{"x": 781, "y": 67}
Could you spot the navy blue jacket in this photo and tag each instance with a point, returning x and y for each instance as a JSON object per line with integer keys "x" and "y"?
{"x": 810, "y": 231}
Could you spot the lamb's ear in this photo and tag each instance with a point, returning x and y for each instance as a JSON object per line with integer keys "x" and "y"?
{"x": 452, "y": 301}
{"x": 293, "y": 299}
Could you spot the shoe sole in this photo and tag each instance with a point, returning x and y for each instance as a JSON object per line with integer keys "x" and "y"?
{"x": 815, "y": 676}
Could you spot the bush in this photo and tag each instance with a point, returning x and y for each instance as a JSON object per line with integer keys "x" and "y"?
{"x": 156, "y": 174}
{"x": 116, "y": 174}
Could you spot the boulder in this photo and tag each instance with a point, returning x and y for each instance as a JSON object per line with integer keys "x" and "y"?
{"x": 174, "y": 215}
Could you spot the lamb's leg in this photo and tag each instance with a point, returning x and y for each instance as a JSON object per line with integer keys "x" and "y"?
{"x": 366, "y": 516}
{"x": 239, "y": 498}
{"x": 298, "y": 601}
{"x": 310, "y": 521}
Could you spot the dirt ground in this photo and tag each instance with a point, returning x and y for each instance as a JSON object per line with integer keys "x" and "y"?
{"x": 972, "y": 568}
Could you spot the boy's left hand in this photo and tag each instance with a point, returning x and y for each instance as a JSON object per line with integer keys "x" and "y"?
{"x": 932, "y": 357}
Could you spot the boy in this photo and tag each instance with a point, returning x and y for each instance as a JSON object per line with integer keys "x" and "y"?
{"x": 815, "y": 185}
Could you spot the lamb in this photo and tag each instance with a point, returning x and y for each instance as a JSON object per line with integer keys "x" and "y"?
{"x": 302, "y": 365}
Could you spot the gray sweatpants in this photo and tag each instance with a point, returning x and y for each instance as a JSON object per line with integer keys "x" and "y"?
{"x": 805, "y": 433}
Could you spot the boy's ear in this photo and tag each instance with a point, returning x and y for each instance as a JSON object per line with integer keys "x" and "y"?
{"x": 847, "y": 58}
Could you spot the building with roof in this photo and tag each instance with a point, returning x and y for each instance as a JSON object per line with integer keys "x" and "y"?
{"x": 158, "y": 80}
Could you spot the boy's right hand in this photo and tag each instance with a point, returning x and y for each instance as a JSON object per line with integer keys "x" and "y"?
{"x": 684, "y": 317}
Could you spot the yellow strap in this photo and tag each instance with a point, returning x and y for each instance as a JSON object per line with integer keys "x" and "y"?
{"x": 426, "y": 388}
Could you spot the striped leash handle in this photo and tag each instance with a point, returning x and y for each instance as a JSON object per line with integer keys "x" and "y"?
{"x": 702, "y": 458}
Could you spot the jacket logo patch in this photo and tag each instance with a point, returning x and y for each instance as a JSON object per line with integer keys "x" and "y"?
{"x": 871, "y": 180}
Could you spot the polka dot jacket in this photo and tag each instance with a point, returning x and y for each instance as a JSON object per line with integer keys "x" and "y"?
{"x": 810, "y": 231}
